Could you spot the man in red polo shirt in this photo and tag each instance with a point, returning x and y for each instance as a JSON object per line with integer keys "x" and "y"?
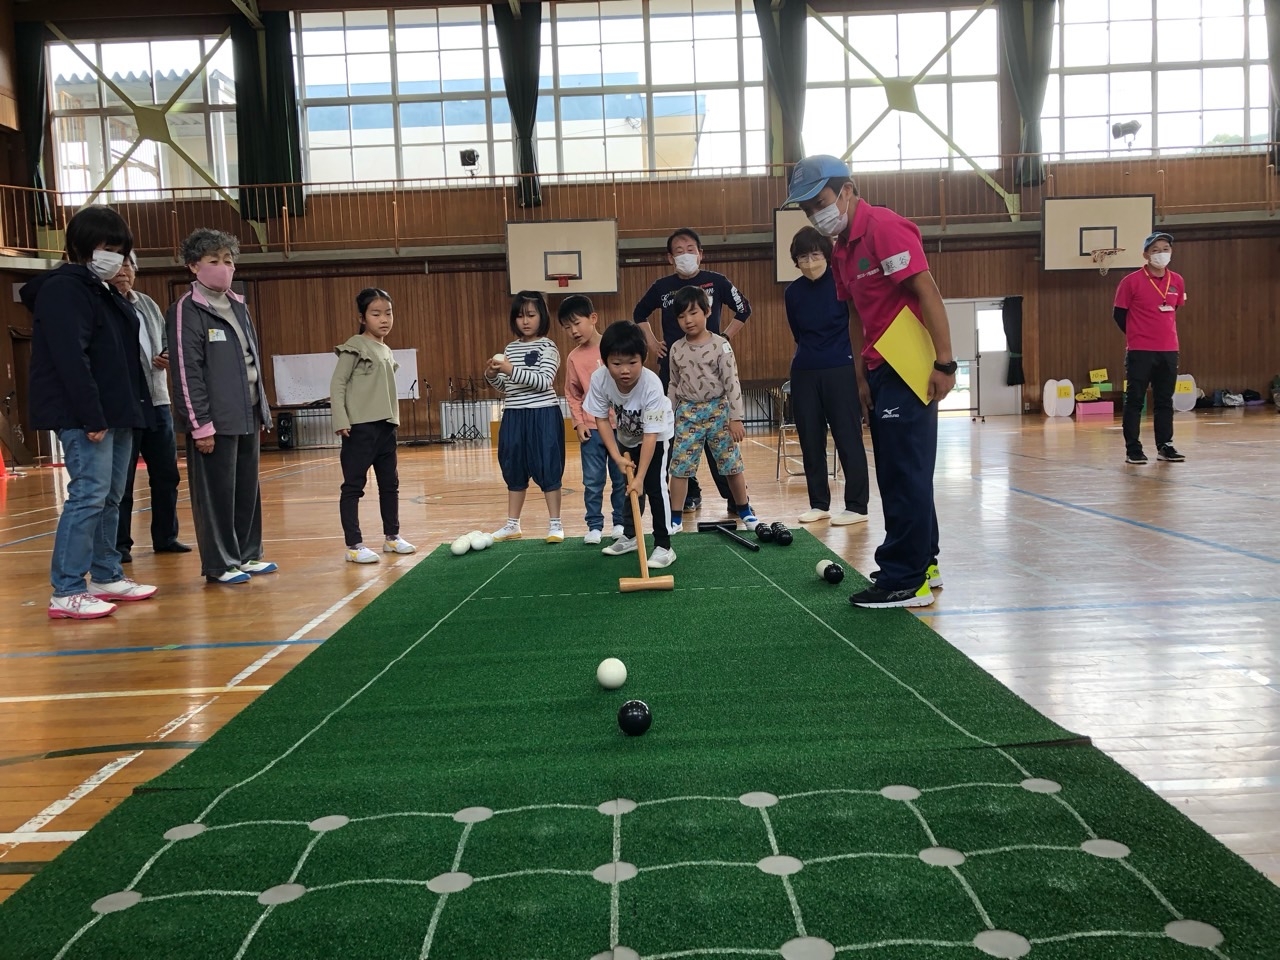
{"x": 880, "y": 268}
{"x": 1146, "y": 309}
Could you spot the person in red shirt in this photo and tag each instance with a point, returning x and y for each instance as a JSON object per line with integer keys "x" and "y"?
{"x": 880, "y": 268}
{"x": 1146, "y": 310}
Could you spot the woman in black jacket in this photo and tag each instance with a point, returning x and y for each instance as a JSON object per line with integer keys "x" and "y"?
{"x": 87, "y": 384}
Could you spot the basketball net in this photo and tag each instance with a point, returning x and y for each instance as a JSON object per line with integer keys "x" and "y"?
{"x": 1103, "y": 258}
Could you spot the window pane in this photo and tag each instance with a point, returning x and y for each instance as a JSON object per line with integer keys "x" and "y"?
{"x": 722, "y": 24}
{"x": 328, "y": 127}
{"x": 752, "y": 59}
{"x": 171, "y": 62}
{"x": 626, "y": 153}
{"x": 1178, "y": 90}
{"x": 460, "y": 28}
{"x": 582, "y": 116}
{"x": 579, "y": 67}
{"x": 1257, "y": 37}
{"x": 880, "y": 143}
{"x": 675, "y": 152}
{"x": 621, "y": 21}
{"x": 416, "y": 30}
{"x": 142, "y": 170}
{"x": 75, "y": 87}
{"x": 876, "y": 38}
{"x": 421, "y": 123}
{"x": 720, "y": 150}
{"x": 672, "y": 63}
{"x": 670, "y": 20}
{"x": 367, "y": 31}
{"x": 975, "y": 53}
{"x": 1130, "y": 94}
{"x": 462, "y": 70}
{"x": 119, "y": 61}
{"x": 192, "y": 137}
{"x": 1089, "y": 135}
{"x": 326, "y": 76}
{"x": 225, "y": 147}
{"x": 78, "y": 148}
{"x": 1131, "y": 41}
{"x": 1084, "y": 95}
{"x": 371, "y": 124}
{"x": 584, "y": 156}
{"x": 369, "y": 74}
{"x": 1224, "y": 87}
{"x": 1177, "y": 9}
{"x": 1259, "y": 87}
{"x": 1052, "y": 97}
{"x": 1051, "y": 137}
{"x": 716, "y": 61}
{"x": 221, "y": 73}
{"x": 824, "y": 60}
{"x": 1224, "y": 38}
{"x": 1084, "y": 11}
{"x": 1259, "y": 126}
{"x": 623, "y": 63}
{"x": 464, "y": 120}
{"x": 1130, "y": 10}
{"x": 932, "y": 100}
{"x": 723, "y": 110}
{"x": 322, "y": 33}
{"x": 1178, "y": 41}
{"x": 1224, "y": 126}
{"x": 504, "y": 158}
{"x": 421, "y": 163}
{"x": 920, "y": 37}
{"x": 976, "y": 111}
{"x": 866, "y": 104}
{"x": 418, "y": 73}
{"x": 577, "y": 23}
{"x": 1179, "y": 130}
{"x": 824, "y": 121}
{"x": 753, "y": 101}
{"x": 329, "y": 166}
{"x": 1085, "y": 45}
{"x": 374, "y": 163}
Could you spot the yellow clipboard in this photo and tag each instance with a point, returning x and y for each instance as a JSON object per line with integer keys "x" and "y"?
{"x": 907, "y": 347}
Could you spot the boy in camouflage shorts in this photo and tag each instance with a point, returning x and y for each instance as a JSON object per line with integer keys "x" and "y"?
{"x": 707, "y": 398}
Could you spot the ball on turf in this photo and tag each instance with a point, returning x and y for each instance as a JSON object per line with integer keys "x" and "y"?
{"x": 488, "y": 540}
{"x": 764, "y": 532}
{"x": 611, "y": 674}
{"x": 476, "y": 540}
{"x": 634, "y": 718}
{"x": 834, "y": 573}
{"x": 460, "y": 546}
{"x": 822, "y": 566}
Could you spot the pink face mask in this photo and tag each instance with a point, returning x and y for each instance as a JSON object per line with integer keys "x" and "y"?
{"x": 216, "y": 276}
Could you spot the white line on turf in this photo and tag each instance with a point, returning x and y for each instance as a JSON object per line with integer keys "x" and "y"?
{"x": 77, "y": 935}
{"x": 982, "y": 911}
{"x": 923, "y": 822}
{"x": 614, "y": 900}
{"x": 253, "y": 931}
{"x": 1020, "y": 846}
{"x": 1063, "y": 937}
{"x": 685, "y": 864}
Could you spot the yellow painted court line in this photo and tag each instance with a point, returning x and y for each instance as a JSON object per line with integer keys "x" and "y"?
{"x": 110, "y": 694}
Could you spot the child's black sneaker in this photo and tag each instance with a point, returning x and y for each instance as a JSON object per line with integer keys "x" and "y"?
{"x": 1168, "y": 454}
{"x": 1139, "y": 458}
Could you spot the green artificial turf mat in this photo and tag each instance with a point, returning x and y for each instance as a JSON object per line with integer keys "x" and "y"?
{"x": 453, "y": 734}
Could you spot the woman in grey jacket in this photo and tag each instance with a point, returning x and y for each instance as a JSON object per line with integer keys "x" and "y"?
{"x": 221, "y": 407}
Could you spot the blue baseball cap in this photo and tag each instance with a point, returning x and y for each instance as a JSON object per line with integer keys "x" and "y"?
{"x": 811, "y": 174}
{"x": 1158, "y": 235}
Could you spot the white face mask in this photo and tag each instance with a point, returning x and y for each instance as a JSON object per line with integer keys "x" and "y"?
{"x": 686, "y": 264}
{"x": 1161, "y": 260}
{"x": 106, "y": 264}
{"x": 829, "y": 221}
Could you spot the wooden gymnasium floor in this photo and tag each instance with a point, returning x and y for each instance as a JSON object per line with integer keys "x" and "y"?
{"x": 1139, "y": 606}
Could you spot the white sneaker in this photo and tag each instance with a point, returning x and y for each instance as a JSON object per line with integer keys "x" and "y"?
{"x": 662, "y": 557}
{"x": 256, "y": 567}
{"x": 592, "y": 537}
{"x": 676, "y": 526}
{"x": 555, "y": 532}
{"x": 230, "y": 575}
{"x": 123, "y": 589}
{"x": 618, "y": 532}
{"x": 361, "y": 554}
{"x": 813, "y": 515}
{"x": 846, "y": 517}
{"x": 620, "y": 546}
{"x": 398, "y": 545}
{"x": 80, "y": 606}
{"x": 510, "y": 531}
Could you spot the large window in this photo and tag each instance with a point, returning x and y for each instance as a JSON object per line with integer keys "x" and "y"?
{"x": 94, "y": 128}
{"x": 1191, "y": 74}
{"x": 955, "y": 57}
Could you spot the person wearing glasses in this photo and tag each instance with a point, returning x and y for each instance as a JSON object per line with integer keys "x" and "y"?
{"x": 824, "y": 386}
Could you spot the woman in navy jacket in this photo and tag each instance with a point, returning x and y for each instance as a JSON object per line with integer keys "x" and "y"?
{"x": 87, "y": 384}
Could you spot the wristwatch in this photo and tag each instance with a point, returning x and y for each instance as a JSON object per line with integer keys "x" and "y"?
{"x": 949, "y": 368}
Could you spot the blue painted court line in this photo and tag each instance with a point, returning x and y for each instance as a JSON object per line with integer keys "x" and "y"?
{"x": 1116, "y": 605}
{"x": 95, "y": 651}
{"x": 1226, "y": 548}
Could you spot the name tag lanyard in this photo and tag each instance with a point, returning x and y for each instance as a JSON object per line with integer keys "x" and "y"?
{"x": 1164, "y": 294}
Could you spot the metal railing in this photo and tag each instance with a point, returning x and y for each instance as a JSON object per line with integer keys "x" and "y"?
{"x": 464, "y": 211}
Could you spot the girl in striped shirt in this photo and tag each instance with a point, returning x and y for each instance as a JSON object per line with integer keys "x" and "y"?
{"x": 531, "y": 437}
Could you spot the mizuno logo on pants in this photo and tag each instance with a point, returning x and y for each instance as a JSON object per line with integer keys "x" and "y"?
{"x": 890, "y": 413}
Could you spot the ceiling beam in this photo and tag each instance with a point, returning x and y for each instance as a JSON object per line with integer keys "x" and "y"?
{"x": 250, "y": 10}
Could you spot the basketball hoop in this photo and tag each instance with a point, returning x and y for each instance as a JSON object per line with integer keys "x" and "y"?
{"x": 1103, "y": 258}
{"x": 561, "y": 279}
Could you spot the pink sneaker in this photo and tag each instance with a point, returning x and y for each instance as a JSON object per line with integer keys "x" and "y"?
{"x": 80, "y": 606}
{"x": 124, "y": 589}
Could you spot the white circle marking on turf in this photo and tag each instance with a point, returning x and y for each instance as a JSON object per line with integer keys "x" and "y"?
{"x": 449, "y": 882}
{"x": 281, "y": 893}
{"x": 898, "y": 791}
{"x": 780, "y": 866}
{"x": 185, "y": 832}
{"x": 617, "y": 953}
{"x": 616, "y": 871}
{"x": 334, "y": 821}
{"x": 808, "y": 948}
{"x": 621, "y": 805}
{"x": 1193, "y": 933}
{"x": 1107, "y": 849}
{"x": 941, "y": 857}
{"x": 472, "y": 815}
{"x": 758, "y": 799}
{"x": 1002, "y": 944}
{"x": 115, "y": 902}
{"x": 1039, "y": 785}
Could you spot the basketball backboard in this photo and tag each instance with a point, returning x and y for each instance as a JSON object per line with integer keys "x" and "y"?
{"x": 563, "y": 256}
{"x": 785, "y": 224}
{"x": 1073, "y": 227}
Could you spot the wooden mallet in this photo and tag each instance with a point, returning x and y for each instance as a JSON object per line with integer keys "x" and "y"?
{"x": 644, "y": 581}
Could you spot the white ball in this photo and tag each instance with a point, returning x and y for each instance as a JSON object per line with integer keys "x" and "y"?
{"x": 822, "y": 566}
{"x": 499, "y": 357}
{"x": 488, "y": 541}
{"x": 476, "y": 540}
{"x": 611, "y": 674}
{"x": 460, "y": 546}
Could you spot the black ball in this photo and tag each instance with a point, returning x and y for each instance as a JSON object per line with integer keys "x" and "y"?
{"x": 834, "y": 573}
{"x": 764, "y": 532}
{"x": 783, "y": 539}
{"x": 634, "y": 718}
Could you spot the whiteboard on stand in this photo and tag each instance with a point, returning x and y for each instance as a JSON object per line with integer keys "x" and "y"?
{"x": 304, "y": 377}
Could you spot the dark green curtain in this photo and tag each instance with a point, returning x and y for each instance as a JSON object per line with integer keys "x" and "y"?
{"x": 267, "y": 117}
{"x": 33, "y": 108}
{"x": 1272, "y": 8}
{"x": 1011, "y": 315}
{"x": 785, "y": 48}
{"x": 520, "y": 48}
{"x": 1027, "y": 31}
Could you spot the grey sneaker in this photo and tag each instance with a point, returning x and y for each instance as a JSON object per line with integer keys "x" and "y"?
{"x": 620, "y": 546}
